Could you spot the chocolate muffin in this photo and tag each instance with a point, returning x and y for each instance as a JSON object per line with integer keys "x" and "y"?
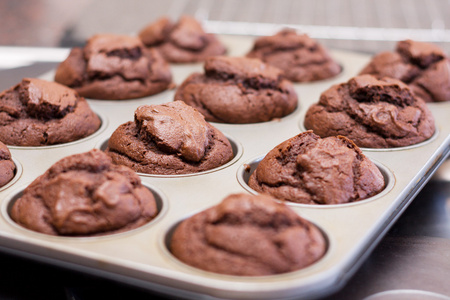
{"x": 37, "y": 112}
{"x": 248, "y": 235}
{"x": 169, "y": 139}
{"x": 85, "y": 195}
{"x": 182, "y": 42}
{"x": 114, "y": 67}
{"x": 373, "y": 113}
{"x": 7, "y": 166}
{"x": 238, "y": 90}
{"x": 424, "y": 67}
{"x": 301, "y": 58}
{"x": 310, "y": 170}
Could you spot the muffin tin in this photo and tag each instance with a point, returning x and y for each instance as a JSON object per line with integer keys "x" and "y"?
{"x": 141, "y": 257}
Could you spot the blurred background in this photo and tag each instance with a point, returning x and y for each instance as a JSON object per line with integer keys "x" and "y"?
{"x": 36, "y": 34}
{"x": 360, "y": 25}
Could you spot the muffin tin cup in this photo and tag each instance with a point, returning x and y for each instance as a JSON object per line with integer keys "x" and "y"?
{"x": 9, "y": 200}
{"x": 17, "y": 173}
{"x": 429, "y": 140}
{"x": 246, "y": 170}
{"x": 235, "y": 145}
{"x": 164, "y": 245}
{"x": 140, "y": 256}
{"x": 93, "y": 136}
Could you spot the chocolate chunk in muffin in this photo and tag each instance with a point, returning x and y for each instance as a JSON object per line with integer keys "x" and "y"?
{"x": 424, "y": 67}
{"x": 114, "y": 67}
{"x": 182, "y": 42}
{"x": 310, "y": 170}
{"x": 85, "y": 195}
{"x": 238, "y": 90}
{"x": 301, "y": 58}
{"x": 171, "y": 138}
{"x": 374, "y": 113}
{"x": 37, "y": 112}
{"x": 248, "y": 235}
{"x": 7, "y": 166}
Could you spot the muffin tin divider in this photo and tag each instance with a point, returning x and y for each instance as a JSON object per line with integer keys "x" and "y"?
{"x": 140, "y": 257}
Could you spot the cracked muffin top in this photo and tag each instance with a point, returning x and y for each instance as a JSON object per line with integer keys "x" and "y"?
{"x": 424, "y": 67}
{"x": 37, "y": 112}
{"x": 168, "y": 139}
{"x": 373, "y": 113}
{"x": 114, "y": 67}
{"x": 311, "y": 170}
{"x": 182, "y": 42}
{"x": 7, "y": 166}
{"x": 301, "y": 58}
{"x": 238, "y": 90}
{"x": 248, "y": 235}
{"x": 85, "y": 195}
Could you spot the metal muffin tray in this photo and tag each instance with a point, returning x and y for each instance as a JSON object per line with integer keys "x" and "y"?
{"x": 140, "y": 257}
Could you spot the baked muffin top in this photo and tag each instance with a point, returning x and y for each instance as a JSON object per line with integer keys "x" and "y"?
{"x": 238, "y": 90}
{"x": 184, "y": 41}
{"x": 85, "y": 195}
{"x": 301, "y": 58}
{"x": 37, "y": 112}
{"x": 168, "y": 139}
{"x": 114, "y": 67}
{"x": 424, "y": 67}
{"x": 7, "y": 166}
{"x": 373, "y": 113}
{"x": 311, "y": 170}
{"x": 248, "y": 235}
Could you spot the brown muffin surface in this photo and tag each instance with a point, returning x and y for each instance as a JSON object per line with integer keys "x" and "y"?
{"x": 167, "y": 139}
{"x": 310, "y": 170}
{"x": 301, "y": 58}
{"x": 114, "y": 67}
{"x": 248, "y": 235}
{"x": 37, "y": 112}
{"x": 85, "y": 195}
{"x": 182, "y": 42}
{"x": 424, "y": 67}
{"x": 7, "y": 166}
{"x": 372, "y": 113}
{"x": 238, "y": 90}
